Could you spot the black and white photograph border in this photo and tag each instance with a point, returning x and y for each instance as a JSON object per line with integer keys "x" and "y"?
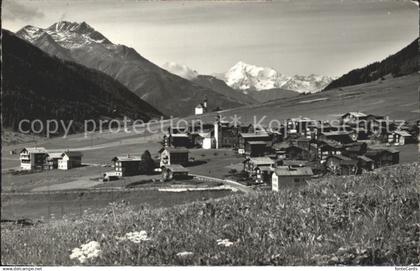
{"x": 275, "y": 134}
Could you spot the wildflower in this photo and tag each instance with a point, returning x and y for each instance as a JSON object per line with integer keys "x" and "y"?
{"x": 224, "y": 242}
{"x": 184, "y": 254}
{"x": 86, "y": 251}
{"x": 135, "y": 237}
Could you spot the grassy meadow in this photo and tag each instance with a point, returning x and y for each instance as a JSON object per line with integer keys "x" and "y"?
{"x": 370, "y": 219}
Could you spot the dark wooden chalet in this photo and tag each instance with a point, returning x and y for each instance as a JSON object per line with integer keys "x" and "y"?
{"x": 126, "y": 165}
{"x": 259, "y": 136}
{"x": 341, "y": 165}
{"x": 383, "y": 157}
{"x": 171, "y": 156}
{"x": 255, "y": 148}
{"x": 174, "y": 172}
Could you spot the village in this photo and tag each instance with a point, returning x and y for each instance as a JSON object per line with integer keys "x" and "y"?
{"x": 274, "y": 158}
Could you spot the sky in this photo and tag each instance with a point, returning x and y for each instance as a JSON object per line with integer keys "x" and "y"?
{"x": 328, "y": 37}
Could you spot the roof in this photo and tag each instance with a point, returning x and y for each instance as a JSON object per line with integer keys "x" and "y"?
{"x": 265, "y": 168}
{"x": 356, "y": 114}
{"x": 35, "y": 150}
{"x": 175, "y": 150}
{"x": 126, "y": 158}
{"x": 298, "y": 163}
{"x": 344, "y": 159}
{"x": 364, "y": 158}
{"x": 205, "y": 135}
{"x": 199, "y": 106}
{"x": 252, "y": 135}
{"x": 56, "y": 155}
{"x": 261, "y": 160}
{"x": 176, "y": 168}
{"x": 179, "y": 135}
{"x": 372, "y": 151}
{"x": 403, "y": 133}
{"x": 72, "y": 154}
{"x": 257, "y": 142}
{"x": 336, "y": 133}
{"x": 288, "y": 171}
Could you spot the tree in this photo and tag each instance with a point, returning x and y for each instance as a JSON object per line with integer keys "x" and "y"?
{"x": 147, "y": 165}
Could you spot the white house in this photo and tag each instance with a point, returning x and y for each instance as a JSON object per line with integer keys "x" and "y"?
{"x": 285, "y": 176}
{"x": 201, "y": 108}
{"x": 32, "y": 158}
{"x": 70, "y": 159}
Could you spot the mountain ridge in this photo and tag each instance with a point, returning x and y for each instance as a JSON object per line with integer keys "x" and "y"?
{"x": 169, "y": 93}
{"x": 247, "y": 77}
{"x": 37, "y": 85}
{"x": 404, "y": 62}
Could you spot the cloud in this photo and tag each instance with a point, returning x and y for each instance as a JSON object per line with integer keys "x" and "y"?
{"x": 13, "y": 10}
{"x": 180, "y": 70}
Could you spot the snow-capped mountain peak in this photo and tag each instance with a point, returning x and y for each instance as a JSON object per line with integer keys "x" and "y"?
{"x": 69, "y": 35}
{"x": 245, "y": 77}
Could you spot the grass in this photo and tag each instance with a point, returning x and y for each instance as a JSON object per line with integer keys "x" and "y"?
{"x": 370, "y": 219}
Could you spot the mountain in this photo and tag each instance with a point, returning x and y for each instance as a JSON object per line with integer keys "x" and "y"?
{"x": 247, "y": 77}
{"x": 36, "y": 85}
{"x": 180, "y": 70}
{"x": 402, "y": 63}
{"x": 221, "y": 87}
{"x": 81, "y": 43}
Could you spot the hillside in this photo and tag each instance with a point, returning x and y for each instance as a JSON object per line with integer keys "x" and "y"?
{"x": 169, "y": 93}
{"x": 402, "y": 63}
{"x": 38, "y": 86}
{"x": 370, "y": 219}
{"x": 381, "y": 97}
{"x": 221, "y": 87}
{"x": 272, "y": 94}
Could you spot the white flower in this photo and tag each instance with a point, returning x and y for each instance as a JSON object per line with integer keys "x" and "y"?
{"x": 135, "y": 237}
{"x": 184, "y": 254}
{"x": 86, "y": 251}
{"x": 224, "y": 242}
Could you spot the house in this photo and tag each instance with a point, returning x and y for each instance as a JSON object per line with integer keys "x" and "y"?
{"x": 352, "y": 117}
{"x": 255, "y": 148}
{"x": 343, "y": 137}
{"x": 257, "y": 136}
{"x": 179, "y": 140}
{"x": 365, "y": 164}
{"x": 201, "y": 108}
{"x": 204, "y": 140}
{"x": 341, "y": 165}
{"x": 251, "y": 164}
{"x": 263, "y": 174}
{"x": 295, "y": 163}
{"x": 355, "y": 149}
{"x": 126, "y": 165}
{"x": 401, "y": 137}
{"x": 383, "y": 157}
{"x": 69, "y": 160}
{"x": 32, "y": 158}
{"x": 324, "y": 148}
{"x": 226, "y": 135}
{"x": 171, "y": 156}
{"x": 286, "y": 177}
{"x": 301, "y": 127}
{"x": 298, "y": 153}
{"x": 51, "y": 161}
{"x": 110, "y": 176}
{"x": 174, "y": 172}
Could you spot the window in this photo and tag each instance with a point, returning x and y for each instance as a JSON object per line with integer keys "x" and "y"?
{"x": 296, "y": 180}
